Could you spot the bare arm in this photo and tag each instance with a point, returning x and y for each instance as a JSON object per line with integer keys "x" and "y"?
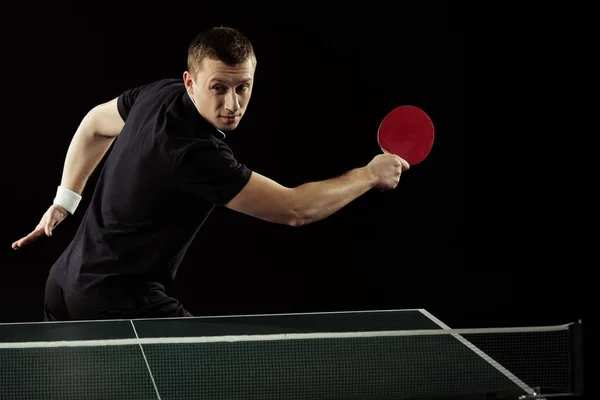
{"x": 96, "y": 132}
{"x": 94, "y": 136}
{"x": 268, "y": 200}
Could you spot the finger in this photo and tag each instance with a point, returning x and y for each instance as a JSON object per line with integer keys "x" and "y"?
{"x": 48, "y": 228}
{"x": 51, "y": 223}
{"x": 405, "y": 164}
{"x": 33, "y": 236}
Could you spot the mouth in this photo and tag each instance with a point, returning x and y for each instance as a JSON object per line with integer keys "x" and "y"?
{"x": 229, "y": 118}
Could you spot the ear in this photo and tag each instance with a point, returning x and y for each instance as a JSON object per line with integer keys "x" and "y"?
{"x": 188, "y": 82}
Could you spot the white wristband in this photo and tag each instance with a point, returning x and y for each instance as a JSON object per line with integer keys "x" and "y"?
{"x": 67, "y": 199}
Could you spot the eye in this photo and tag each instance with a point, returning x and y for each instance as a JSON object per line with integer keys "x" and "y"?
{"x": 218, "y": 88}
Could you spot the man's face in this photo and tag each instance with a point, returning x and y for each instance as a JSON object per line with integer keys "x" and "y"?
{"x": 220, "y": 92}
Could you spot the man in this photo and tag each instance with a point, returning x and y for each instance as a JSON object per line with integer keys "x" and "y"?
{"x": 168, "y": 167}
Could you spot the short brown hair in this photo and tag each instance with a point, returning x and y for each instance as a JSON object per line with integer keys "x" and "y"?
{"x": 221, "y": 43}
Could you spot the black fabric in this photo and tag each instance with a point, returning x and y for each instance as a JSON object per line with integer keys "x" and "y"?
{"x": 60, "y": 306}
{"x": 166, "y": 171}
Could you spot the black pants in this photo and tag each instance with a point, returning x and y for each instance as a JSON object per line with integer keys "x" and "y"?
{"x": 59, "y": 306}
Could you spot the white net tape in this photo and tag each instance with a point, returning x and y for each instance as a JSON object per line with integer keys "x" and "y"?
{"x": 293, "y": 366}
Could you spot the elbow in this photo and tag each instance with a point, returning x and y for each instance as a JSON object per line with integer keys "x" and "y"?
{"x": 299, "y": 212}
{"x": 300, "y": 217}
{"x": 297, "y": 221}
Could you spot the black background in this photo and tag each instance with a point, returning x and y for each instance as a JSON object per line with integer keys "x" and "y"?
{"x": 322, "y": 86}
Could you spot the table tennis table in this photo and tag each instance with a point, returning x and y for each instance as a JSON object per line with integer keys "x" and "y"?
{"x": 367, "y": 355}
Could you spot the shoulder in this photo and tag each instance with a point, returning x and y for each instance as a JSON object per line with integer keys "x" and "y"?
{"x": 161, "y": 85}
{"x": 208, "y": 168}
{"x": 207, "y": 155}
{"x": 203, "y": 150}
{"x": 157, "y": 91}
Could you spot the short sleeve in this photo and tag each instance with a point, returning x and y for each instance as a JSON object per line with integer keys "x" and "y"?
{"x": 210, "y": 170}
{"x": 127, "y": 99}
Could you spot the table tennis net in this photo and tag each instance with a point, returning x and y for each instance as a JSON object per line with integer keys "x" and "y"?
{"x": 346, "y": 365}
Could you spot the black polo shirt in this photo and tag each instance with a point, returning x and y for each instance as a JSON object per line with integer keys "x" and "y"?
{"x": 165, "y": 171}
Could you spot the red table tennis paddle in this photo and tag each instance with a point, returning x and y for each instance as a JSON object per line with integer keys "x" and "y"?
{"x": 408, "y": 132}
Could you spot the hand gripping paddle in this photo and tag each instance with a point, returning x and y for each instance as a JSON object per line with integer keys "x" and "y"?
{"x": 406, "y": 131}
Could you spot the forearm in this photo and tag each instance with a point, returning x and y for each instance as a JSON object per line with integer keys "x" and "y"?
{"x": 84, "y": 154}
{"x": 315, "y": 201}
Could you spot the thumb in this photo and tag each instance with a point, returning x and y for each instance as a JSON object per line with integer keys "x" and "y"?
{"x": 49, "y": 227}
{"x": 54, "y": 218}
{"x": 405, "y": 164}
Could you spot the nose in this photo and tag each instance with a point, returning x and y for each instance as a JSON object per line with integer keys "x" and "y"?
{"x": 232, "y": 103}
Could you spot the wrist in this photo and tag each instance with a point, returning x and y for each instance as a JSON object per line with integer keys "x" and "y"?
{"x": 67, "y": 199}
{"x": 368, "y": 176}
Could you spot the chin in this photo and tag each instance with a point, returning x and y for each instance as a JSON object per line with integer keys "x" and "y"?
{"x": 228, "y": 127}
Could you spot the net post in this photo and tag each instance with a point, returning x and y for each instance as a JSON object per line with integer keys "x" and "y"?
{"x": 576, "y": 343}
